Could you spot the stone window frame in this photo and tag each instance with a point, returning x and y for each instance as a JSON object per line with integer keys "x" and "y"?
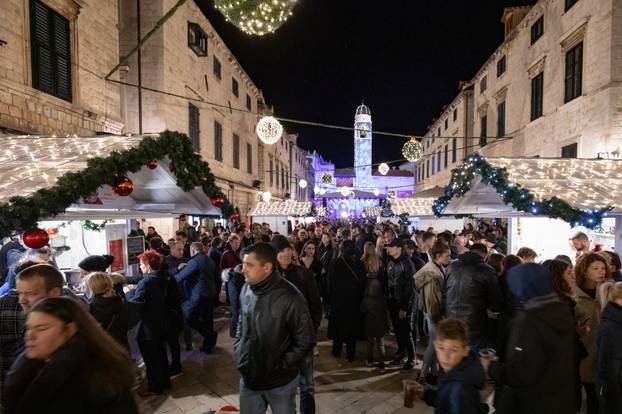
{"x": 69, "y": 9}
{"x": 568, "y": 41}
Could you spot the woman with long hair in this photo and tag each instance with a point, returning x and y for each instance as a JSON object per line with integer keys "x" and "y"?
{"x": 325, "y": 255}
{"x": 346, "y": 277}
{"x": 70, "y": 365}
{"x": 374, "y": 306}
{"x": 309, "y": 260}
{"x": 610, "y": 349}
{"x": 150, "y": 295}
{"x": 107, "y": 307}
{"x": 590, "y": 271}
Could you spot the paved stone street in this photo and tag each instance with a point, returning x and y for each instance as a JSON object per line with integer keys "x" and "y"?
{"x": 211, "y": 381}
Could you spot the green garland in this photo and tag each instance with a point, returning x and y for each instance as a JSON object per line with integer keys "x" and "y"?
{"x": 23, "y": 213}
{"x": 89, "y": 225}
{"x": 516, "y": 195}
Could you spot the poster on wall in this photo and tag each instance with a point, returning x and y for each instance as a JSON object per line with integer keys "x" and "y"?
{"x": 135, "y": 246}
{"x": 115, "y": 249}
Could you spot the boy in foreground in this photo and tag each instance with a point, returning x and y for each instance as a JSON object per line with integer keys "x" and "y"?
{"x": 463, "y": 376}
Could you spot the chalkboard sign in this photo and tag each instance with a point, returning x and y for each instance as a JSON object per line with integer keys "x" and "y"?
{"x": 135, "y": 246}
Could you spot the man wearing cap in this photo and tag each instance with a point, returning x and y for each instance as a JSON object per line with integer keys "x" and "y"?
{"x": 471, "y": 287}
{"x": 303, "y": 279}
{"x": 401, "y": 294}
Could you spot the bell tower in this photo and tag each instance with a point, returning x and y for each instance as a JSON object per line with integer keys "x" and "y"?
{"x": 362, "y": 148}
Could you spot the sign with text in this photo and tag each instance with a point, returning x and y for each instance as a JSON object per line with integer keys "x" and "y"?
{"x": 135, "y": 246}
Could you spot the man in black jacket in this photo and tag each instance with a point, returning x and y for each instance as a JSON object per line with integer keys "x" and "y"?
{"x": 471, "y": 287}
{"x": 400, "y": 272}
{"x": 303, "y": 279}
{"x": 275, "y": 335}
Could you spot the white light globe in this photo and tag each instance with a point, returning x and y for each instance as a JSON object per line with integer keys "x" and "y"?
{"x": 383, "y": 168}
{"x": 344, "y": 214}
{"x": 376, "y": 192}
{"x": 317, "y": 189}
{"x": 266, "y": 196}
{"x": 345, "y": 191}
{"x": 269, "y": 130}
{"x": 302, "y": 183}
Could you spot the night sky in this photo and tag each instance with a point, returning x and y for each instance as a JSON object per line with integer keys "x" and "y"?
{"x": 403, "y": 57}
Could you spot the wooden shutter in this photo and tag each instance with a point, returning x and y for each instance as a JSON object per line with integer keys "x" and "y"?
{"x": 194, "y": 127}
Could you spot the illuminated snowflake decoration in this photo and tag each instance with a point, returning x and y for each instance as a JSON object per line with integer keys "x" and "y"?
{"x": 327, "y": 178}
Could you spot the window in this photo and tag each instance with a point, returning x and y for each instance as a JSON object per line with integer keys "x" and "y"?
{"x": 455, "y": 115}
{"x": 446, "y": 155}
{"x": 249, "y": 158}
{"x": 217, "y": 141}
{"x": 277, "y": 174}
{"x": 282, "y": 177}
{"x": 236, "y": 151}
{"x": 197, "y": 39}
{"x": 537, "y": 96}
{"x": 433, "y": 162}
{"x": 287, "y": 179}
{"x": 574, "y": 73}
{"x": 193, "y": 127}
{"x": 569, "y": 151}
{"x": 483, "y": 84}
{"x": 454, "y": 149}
{"x": 438, "y": 161}
{"x": 483, "y": 126}
{"x": 501, "y": 66}
{"x": 217, "y": 69}
{"x": 235, "y": 89}
{"x": 568, "y": 4}
{"x": 248, "y": 103}
{"x": 51, "y": 51}
{"x": 271, "y": 173}
{"x": 537, "y": 30}
{"x": 446, "y": 123}
{"x": 427, "y": 169}
{"x": 501, "y": 119}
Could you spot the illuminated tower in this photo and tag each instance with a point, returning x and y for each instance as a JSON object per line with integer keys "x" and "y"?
{"x": 362, "y": 148}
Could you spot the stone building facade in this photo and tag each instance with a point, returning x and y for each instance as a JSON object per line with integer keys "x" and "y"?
{"x": 553, "y": 88}
{"x": 54, "y": 55}
{"x": 207, "y": 95}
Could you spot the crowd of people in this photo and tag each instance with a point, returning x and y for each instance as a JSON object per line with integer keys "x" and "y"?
{"x": 547, "y": 335}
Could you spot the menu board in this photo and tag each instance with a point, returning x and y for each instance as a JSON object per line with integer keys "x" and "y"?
{"x": 135, "y": 246}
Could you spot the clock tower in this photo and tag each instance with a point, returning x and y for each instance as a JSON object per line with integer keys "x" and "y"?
{"x": 362, "y": 148}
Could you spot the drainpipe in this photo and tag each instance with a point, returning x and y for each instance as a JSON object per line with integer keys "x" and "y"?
{"x": 140, "y": 78}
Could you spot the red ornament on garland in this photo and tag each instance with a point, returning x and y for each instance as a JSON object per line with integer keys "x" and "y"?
{"x": 171, "y": 167}
{"x": 123, "y": 186}
{"x": 153, "y": 164}
{"x": 36, "y": 239}
{"x": 235, "y": 216}
{"x": 217, "y": 201}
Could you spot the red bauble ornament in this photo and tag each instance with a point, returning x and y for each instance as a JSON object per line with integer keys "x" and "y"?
{"x": 234, "y": 216}
{"x": 36, "y": 239}
{"x": 171, "y": 167}
{"x": 217, "y": 201}
{"x": 153, "y": 164}
{"x": 123, "y": 186}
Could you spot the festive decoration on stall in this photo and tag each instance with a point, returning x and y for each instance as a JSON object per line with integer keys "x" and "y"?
{"x": 269, "y": 130}
{"x": 92, "y": 226}
{"x": 412, "y": 150}
{"x": 512, "y": 193}
{"x": 302, "y": 183}
{"x": 217, "y": 201}
{"x": 383, "y": 168}
{"x": 23, "y": 212}
{"x": 256, "y": 17}
{"x": 234, "y": 216}
{"x": 153, "y": 164}
{"x": 36, "y": 238}
{"x": 266, "y": 196}
{"x": 327, "y": 178}
{"x": 171, "y": 167}
{"x": 122, "y": 186}
{"x": 52, "y": 231}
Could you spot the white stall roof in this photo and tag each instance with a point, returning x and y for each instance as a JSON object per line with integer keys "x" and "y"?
{"x": 30, "y": 163}
{"x": 282, "y": 208}
{"x": 419, "y": 204}
{"x": 582, "y": 183}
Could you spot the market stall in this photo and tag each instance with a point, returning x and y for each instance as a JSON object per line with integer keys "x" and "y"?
{"x": 83, "y": 192}
{"x": 282, "y": 216}
{"x": 546, "y": 201}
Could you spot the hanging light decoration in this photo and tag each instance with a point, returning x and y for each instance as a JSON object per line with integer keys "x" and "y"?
{"x": 269, "y": 130}
{"x": 36, "y": 239}
{"x": 412, "y": 150}
{"x": 234, "y": 216}
{"x": 383, "y": 168}
{"x": 376, "y": 192}
{"x": 317, "y": 189}
{"x": 327, "y": 178}
{"x": 256, "y": 17}
{"x": 345, "y": 191}
{"x": 302, "y": 183}
{"x": 266, "y": 196}
{"x": 217, "y": 201}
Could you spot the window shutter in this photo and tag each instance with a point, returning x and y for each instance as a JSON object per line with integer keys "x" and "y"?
{"x": 62, "y": 51}
{"x": 42, "y": 60}
{"x": 194, "y": 127}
